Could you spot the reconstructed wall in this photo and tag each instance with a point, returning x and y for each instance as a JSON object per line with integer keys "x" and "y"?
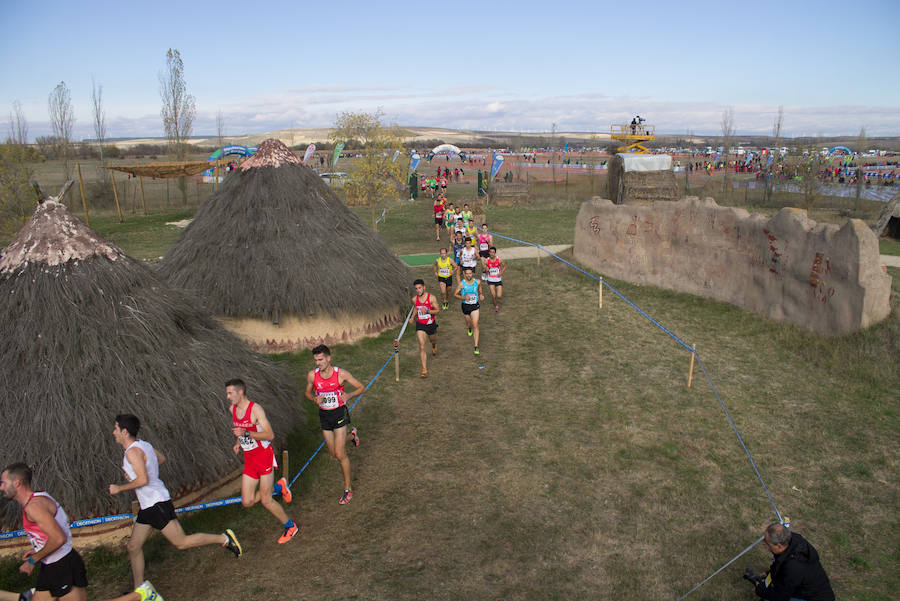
{"x": 820, "y": 276}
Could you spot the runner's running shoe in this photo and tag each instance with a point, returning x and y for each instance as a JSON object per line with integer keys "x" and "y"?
{"x": 232, "y": 544}
{"x": 289, "y": 533}
{"x": 424, "y": 373}
{"x": 354, "y": 436}
{"x": 285, "y": 491}
{"x": 477, "y": 352}
{"x": 470, "y": 331}
{"x": 433, "y": 350}
{"x": 147, "y": 592}
{"x": 346, "y": 497}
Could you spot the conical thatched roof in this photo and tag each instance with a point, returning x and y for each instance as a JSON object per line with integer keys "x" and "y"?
{"x": 274, "y": 242}
{"x": 88, "y": 333}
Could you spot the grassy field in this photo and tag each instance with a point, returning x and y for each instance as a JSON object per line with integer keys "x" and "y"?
{"x": 569, "y": 459}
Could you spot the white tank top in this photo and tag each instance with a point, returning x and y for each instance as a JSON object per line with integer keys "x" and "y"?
{"x": 154, "y": 491}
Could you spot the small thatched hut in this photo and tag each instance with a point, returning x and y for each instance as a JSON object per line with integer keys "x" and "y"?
{"x": 88, "y": 333}
{"x": 284, "y": 263}
{"x": 641, "y": 178}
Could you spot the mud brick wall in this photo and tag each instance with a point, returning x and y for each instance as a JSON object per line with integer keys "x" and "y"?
{"x": 826, "y": 278}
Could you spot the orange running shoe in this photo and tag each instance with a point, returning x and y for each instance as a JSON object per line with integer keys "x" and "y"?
{"x": 285, "y": 491}
{"x": 289, "y": 533}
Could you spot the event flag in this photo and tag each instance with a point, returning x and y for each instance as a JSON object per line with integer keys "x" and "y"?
{"x": 414, "y": 162}
{"x": 396, "y": 154}
{"x": 495, "y": 166}
{"x": 337, "y": 154}
{"x": 309, "y": 150}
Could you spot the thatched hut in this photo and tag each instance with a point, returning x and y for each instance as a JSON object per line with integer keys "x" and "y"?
{"x": 88, "y": 333}
{"x": 641, "y": 178}
{"x": 283, "y": 263}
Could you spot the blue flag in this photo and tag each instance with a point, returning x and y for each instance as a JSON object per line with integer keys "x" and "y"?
{"x": 495, "y": 166}
{"x": 414, "y": 162}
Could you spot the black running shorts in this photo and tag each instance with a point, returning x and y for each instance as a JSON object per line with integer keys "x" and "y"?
{"x": 61, "y": 576}
{"x": 439, "y": 220}
{"x": 157, "y": 516}
{"x": 497, "y": 283}
{"x": 467, "y": 308}
{"x": 448, "y": 281}
{"x": 332, "y": 419}
{"x": 430, "y": 329}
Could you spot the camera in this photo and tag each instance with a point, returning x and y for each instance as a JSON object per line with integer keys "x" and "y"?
{"x": 751, "y": 576}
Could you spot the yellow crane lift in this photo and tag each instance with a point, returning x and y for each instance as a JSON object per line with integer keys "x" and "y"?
{"x": 634, "y": 135}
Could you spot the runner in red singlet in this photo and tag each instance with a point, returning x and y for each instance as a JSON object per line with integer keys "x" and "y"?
{"x": 438, "y": 217}
{"x": 494, "y": 268}
{"x": 254, "y": 435}
{"x": 426, "y": 327}
{"x": 62, "y": 574}
{"x": 325, "y": 388}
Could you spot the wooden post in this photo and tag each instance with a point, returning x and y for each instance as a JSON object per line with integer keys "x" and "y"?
{"x": 116, "y": 196}
{"x": 601, "y": 292}
{"x": 539, "y": 256}
{"x": 397, "y": 360}
{"x": 691, "y": 369}
{"x": 285, "y": 465}
{"x": 143, "y": 200}
{"x": 87, "y": 219}
{"x": 135, "y": 507}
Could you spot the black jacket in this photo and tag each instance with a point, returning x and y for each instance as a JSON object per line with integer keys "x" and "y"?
{"x": 797, "y": 573}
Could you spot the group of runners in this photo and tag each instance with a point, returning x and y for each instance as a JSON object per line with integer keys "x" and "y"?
{"x": 460, "y": 260}
{"x": 62, "y": 573}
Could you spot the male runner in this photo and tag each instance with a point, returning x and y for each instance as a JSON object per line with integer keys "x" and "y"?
{"x": 460, "y": 227}
{"x": 438, "y": 217}
{"x": 254, "y": 436}
{"x": 458, "y": 245}
{"x": 443, "y": 271}
{"x": 141, "y": 467}
{"x": 325, "y": 388}
{"x": 426, "y": 326}
{"x": 485, "y": 242}
{"x": 62, "y": 574}
{"x": 469, "y": 292}
{"x": 466, "y": 214}
{"x": 494, "y": 267}
{"x": 468, "y": 257}
{"x": 450, "y": 219}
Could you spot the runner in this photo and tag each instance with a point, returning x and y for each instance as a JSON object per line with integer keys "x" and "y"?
{"x": 438, "y": 217}
{"x": 254, "y": 436}
{"x": 471, "y": 231}
{"x": 485, "y": 242}
{"x": 466, "y": 214}
{"x": 141, "y": 466}
{"x": 460, "y": 227}
{"x": 458, "y": 245}
{"x": 494, "y": 267}
{"x": 469, "y": 291}
{"x": 468, "y": 258}
{"x": 426, "y": 326}
{"x": 325, "y": 388}
{"x": 443, "y": 271}
{"x": 62, "y": 574}
{"x": 450, "y": 219}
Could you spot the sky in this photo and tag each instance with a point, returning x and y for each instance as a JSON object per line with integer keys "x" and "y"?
{"x": 491, "y": 65}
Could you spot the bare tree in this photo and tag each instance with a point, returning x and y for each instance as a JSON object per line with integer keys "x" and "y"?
{"x": 772, "y": 161}
{"x": 727, "y": 136}
{"x": 18, "y": 126}
{"x": 62, "y": 120}
{"x": 178, "y": 110}
{"x": 99, "y": 115}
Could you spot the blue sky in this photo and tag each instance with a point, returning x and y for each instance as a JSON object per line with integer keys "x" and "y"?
{"x": 521, "y": 66}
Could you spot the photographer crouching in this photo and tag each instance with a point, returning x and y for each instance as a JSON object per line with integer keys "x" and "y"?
{"x": 795, "y": 573}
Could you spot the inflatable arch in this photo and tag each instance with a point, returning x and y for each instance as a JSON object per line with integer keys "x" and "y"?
{"x": 448, "y": 149}
{"x": 232, "y": 150}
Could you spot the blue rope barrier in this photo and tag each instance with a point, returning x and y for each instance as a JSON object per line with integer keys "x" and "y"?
{"x": 733, "y": 559}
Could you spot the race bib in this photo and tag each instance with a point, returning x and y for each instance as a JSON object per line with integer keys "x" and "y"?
{"x": 471, "y": 299}
{"x": 444, "y": 272}
{"x": 438, "y": 215}
{"x": 247, "y": 443}
{"x": 494, "y": 272}
{"x": 423, "y": 312}
{"x": 329, "y": 400}
{"x": 483, "y": 245}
